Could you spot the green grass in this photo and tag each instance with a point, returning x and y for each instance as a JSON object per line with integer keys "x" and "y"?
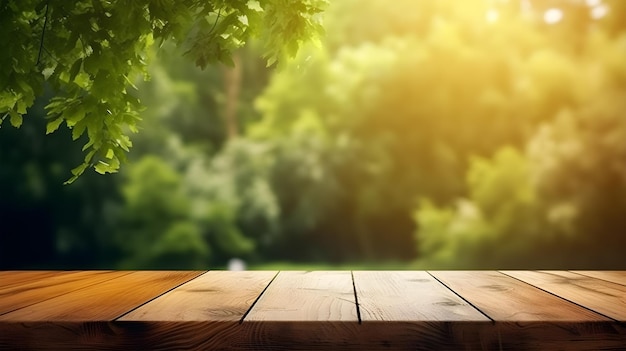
{"x": 323, "y": 266}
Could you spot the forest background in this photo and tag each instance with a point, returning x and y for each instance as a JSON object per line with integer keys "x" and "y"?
{"x": 417, "y": 134}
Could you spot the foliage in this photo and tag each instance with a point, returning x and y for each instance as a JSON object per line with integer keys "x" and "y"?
{"x": 46, "y": 224}
{"x": 90, "y": 51}
{"x": 558, "y": 204}
{"x": 155, "y": 216}
{"x": 579, "y": 171}
{"x": 233, "y": 199}
{"x": 499, "y": 225}
{"x": 421, "y": 99}
{"x": 561, "y": 204}
{"x": 449, "y": 134}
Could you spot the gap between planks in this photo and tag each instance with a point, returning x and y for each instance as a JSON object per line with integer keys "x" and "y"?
{"x": 159, "y": 295}
{"x": 561, "y": 297}
{"x": 52, "y": 296}
{"x": 356, "y": 302}
{"x": 356, "y": 298}
{"x": 600, "y": 275}
{"x": 258, "y": 297}
{"x": 462, "y": 298}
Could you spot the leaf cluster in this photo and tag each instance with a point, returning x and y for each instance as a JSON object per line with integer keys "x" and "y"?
{"x": 90, "y": 51}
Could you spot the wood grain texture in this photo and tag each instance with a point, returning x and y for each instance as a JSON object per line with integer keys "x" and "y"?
{"x": 595, "y": 294}
{"x": 307, "y": 296}
{"x": 409, "y": 296}
{"x": 10, "y": 279}
{"x": 213, "y": 296}
{"x": 303, "y": 311}
{"x": 46, "y": 287}
{"x": 104, "y": 301}
{"x": 618, "y": 277}
{"x": 503, "y": 298}
{"x": 317, "y": 335}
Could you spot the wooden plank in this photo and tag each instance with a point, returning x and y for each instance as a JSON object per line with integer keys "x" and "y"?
{"x": 409, "y": 296}
{"x": 104, "y": 301}
{"x": 214, "y": 296}
{"x": 31, "y": 292}
{"x": 307, "y": 296}
{"x": 266, "y": 335}
{"x": 618, "y": 277}
{"x": 314, "y": 331}
{"x": 315, "y": 335}
{"x": 503, "y": 298}
{"x": 10, "y": 279}
{"x": 595, "y": 294}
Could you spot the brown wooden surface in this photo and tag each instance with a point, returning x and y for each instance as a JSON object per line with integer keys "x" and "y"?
{"x": 505, "y": 299}
{"x": 307, "y": 296}
{"x": 40, "y": 288}
{"x": 104, "y": 301}
{"x": 9, "y": 279}
{"x": 213, "y": 296}
{"x": 409, "y": 296}
{"x": 618, "y": 277}
{"x": 289, "y": 335}
{"x": 595, "y": 294}
{"x": 409, "y": 310}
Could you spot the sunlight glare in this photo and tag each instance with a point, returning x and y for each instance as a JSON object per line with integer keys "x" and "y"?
{"x": 492, "y": 15}
{"x": 599, "y": 11}
{"x": 553, "y": 16}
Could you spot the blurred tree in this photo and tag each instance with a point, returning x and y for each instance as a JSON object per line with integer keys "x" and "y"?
{"x": 499, "y": 226}
{"x": 560, "y": 204}
{"x": 580, "y": 173}
{"x": 187, "y": 132}
{"x": 157, "y": 230}
{"x": 232, "y": 198}
{"x": 442, "y": 83}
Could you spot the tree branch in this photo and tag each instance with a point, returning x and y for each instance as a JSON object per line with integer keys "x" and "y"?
{"x": 43, "y": 32}
{"x": 219, "y": 12}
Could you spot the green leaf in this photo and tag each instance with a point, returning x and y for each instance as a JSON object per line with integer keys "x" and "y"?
{"x": 102, "y": 167}
{"x": 110, "y": 154}
{"x": 270, "y": 61}
{"x": 74, "y": 115}
{"x": 16, "y": 119}
{"x": 255, "y": 6}
{"x": 77, "y": 172}
{"x": 7, "y": 100}
{"x": 53, "y": 125}
{"x": 80, "y": 169}
{"x": 71, "y": 180}
{"x": 23, "y": 85}
{"x": 79, "y": 129}
{"x": 21, "y": 106}
{"x": 75, "y": 69}
{"x": 88, "y": 144}
{"x": 89, "y": 156}
{"x": 82, "y": 80}
{"x": 47, "y": 72}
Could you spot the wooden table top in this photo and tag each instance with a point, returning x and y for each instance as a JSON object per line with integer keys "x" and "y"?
{"x": 297, "y": 310}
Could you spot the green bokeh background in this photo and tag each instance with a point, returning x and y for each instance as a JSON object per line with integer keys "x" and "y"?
{"x": 417, "y": 134}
